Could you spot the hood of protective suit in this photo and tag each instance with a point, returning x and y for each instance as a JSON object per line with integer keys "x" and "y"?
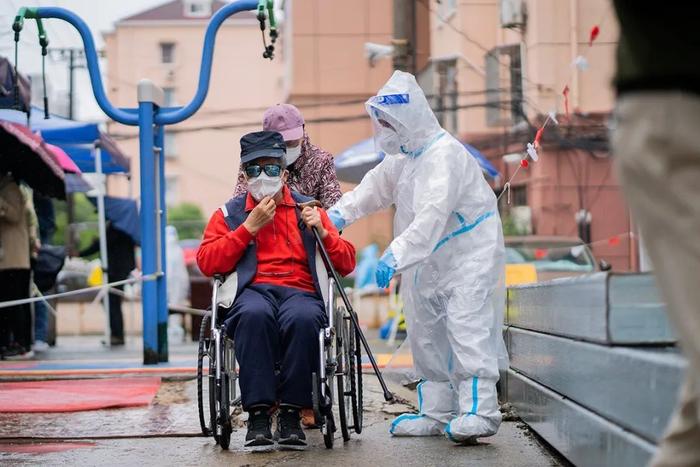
{"x": 402, "y": 103}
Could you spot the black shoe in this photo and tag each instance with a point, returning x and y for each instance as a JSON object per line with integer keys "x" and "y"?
{"x": 289, "y": 433}
{"x": 116, "y": 341}
{"x": 259, "y": 433}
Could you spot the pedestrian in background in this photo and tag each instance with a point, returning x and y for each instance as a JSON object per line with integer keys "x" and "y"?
{"x": 657, "y": 148}
{"x": 16, "y": 243}
{"x": 43, "y": 207}
{"x": 120, "y": 263}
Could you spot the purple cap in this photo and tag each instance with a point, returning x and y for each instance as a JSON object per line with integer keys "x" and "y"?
{"x": 285, "y": 119}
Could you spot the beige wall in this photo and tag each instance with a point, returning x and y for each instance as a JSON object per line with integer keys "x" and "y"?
{"x": 550, "y": 44}
{"x": 329, "y": 66}
{"x": 563, "y": 180}
{"x": 242, "y": 85}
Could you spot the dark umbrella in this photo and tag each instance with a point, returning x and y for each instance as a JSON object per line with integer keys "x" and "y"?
{"x": 24, "y": 155}
{"x": 7, "y": 88}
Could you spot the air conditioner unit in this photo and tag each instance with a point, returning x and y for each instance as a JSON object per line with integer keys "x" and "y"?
{"x": 512, "y": 13}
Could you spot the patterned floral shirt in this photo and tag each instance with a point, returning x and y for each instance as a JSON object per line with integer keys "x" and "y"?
{"x": 312, "y": 174}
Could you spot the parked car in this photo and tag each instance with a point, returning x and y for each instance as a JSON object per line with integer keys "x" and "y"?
{"x": 538, "y": 258}
{"x": 190, "y": 247}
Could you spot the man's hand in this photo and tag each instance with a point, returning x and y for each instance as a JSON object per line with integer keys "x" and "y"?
{"x": 261, "y": 215}
{"x": 312, "y": 218}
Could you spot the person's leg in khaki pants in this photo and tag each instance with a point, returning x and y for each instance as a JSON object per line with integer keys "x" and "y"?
{"x": 657, "y": 147}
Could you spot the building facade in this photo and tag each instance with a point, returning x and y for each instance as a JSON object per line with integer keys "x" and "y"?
{"x": 164, "y": 44}
{"x": 330, "y": 77}
{"x": 500, "y": 66}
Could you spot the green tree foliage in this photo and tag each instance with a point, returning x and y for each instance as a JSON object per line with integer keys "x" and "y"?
{"x": 188, "y": 219}
{"x": 85, "y": 221}
{"x": 510, "y": 227}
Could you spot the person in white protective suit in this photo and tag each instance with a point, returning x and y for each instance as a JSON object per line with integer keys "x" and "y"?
{"x": 178, "y": 282}
{"x": 178, "y": 277}
{"x": 448, "y": 246}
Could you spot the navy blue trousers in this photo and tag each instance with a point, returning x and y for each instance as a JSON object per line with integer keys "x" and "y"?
{"x": 275, "y": 333}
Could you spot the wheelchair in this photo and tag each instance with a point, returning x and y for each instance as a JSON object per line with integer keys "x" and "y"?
{"x": 216, "y": 354}
{"x": 340, "y": 359}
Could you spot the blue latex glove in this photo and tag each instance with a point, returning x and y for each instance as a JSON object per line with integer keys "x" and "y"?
{"x": 336, "y": 218}
{"x": 386, "y": 269}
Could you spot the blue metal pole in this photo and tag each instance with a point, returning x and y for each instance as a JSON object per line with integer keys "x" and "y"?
{"x": 148, "y": 232}
{"x": 162, "y": 284}
{"x": 164, "y": 118}
{"x": 155, "y": 312}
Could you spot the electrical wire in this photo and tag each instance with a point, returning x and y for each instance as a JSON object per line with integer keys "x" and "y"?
{"x": 230, "y": 126}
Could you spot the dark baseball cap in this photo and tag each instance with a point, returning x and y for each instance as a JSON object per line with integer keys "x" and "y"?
{"x": 262, "y": 144}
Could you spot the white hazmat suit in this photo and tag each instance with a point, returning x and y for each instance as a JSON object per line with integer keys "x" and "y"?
{"x": 448, "y": 246}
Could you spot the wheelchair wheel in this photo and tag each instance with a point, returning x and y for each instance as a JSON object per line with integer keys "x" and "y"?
{"x": 355, "y": 377}
{"x": 316, "y": 399}
{"x": 328, "y": 430}
{"x": 219, "y": 396}
{"x": 343, "y": 359}
{"x": 203, "y": 357}
{"x": 211, "y": 378}
{"x": 323, "y": 414}
{"x": 224, "y": 419}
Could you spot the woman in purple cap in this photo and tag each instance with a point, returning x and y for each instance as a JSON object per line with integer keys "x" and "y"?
{"x": 311, "y": 169}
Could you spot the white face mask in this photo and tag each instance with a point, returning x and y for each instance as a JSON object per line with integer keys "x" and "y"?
{"x": 293, "y": 154}
{"x": 388, "y": 140}
{"x": 264, "y": 185}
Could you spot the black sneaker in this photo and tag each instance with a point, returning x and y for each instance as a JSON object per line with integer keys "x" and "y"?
{"x": 289, "y": 433}
{"x": 259, "y": 433}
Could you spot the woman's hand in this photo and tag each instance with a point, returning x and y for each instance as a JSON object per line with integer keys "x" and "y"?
{"x": 312, "y": 218}
{"x": 261, "y": 215}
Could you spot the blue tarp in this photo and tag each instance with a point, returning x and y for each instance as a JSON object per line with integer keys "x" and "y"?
{"x": 76, "y": 138}
{"x": 124, "y": 215}
{"x": 353, "y": 163}
{"x": 486, "y": 166}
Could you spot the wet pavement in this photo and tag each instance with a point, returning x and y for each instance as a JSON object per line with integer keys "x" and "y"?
{"x": 166, "y": 433}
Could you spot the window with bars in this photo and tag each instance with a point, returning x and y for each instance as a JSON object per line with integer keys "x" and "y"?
{"x": 167, "y": 52}
{"x": 504, "y": 86}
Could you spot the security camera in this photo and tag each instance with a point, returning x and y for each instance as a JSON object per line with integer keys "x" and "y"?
{"x": 375, "y": 52}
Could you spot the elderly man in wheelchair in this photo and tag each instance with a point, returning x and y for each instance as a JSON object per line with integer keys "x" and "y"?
{"x": 265, "y": 238}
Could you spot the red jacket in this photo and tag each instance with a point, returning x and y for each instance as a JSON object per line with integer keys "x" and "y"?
{"x": 281, "y": 257}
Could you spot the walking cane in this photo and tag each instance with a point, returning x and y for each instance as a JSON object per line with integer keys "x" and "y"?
{"x": 388, "y": 396}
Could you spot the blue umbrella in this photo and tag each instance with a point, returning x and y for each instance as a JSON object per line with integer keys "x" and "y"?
{"x": 353, "y": 163}
{"x": 486, "y": 166}
{"x": 124, "y": 215}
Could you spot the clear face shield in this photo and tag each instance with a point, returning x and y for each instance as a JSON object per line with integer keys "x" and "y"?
{"x": 386, "y": 132}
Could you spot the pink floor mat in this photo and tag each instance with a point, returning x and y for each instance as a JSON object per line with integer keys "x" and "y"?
{"x": 76, "y": 395}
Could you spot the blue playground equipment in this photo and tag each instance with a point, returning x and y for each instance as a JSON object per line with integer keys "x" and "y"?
{"x": 151, "y": 119}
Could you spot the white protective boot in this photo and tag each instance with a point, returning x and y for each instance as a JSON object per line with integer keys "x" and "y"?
{"x": 436, "y": 407}
{"x": 479, "y": 409}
